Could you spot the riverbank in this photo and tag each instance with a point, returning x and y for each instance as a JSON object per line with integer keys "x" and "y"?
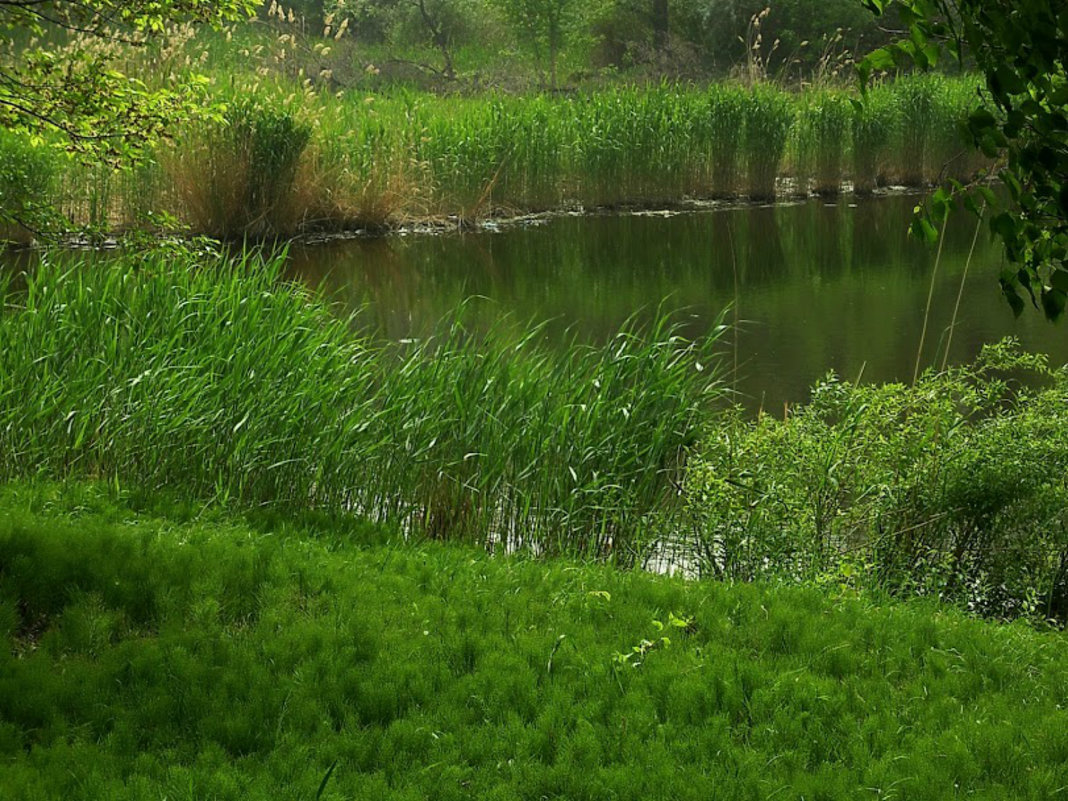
{"x": 287, "y": 161}
{"x": 216, "y": 379}
{"x": 158, "y": 647}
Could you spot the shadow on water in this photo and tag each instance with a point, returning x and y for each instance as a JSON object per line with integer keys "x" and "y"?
{"x": 814, "y": 286}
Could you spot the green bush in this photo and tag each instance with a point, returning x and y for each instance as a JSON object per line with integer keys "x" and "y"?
{"x": 955, "y": 488}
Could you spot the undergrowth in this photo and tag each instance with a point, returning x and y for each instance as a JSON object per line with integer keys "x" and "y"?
{"x": 955, "y": 488}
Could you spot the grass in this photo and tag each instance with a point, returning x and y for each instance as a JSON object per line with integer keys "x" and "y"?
{"x": 157, "y": 649}
{"x": 216, "y": 379}
{"x": 368, "y": 161}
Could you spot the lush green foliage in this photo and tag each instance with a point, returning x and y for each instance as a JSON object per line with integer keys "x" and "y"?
{"x": 67, "y": 79}
{"x": 27, "y": 183}
{"x": 191, "y": 657}
{"x": 1022, "y": 49}
{"x": 955, "y": 488}
{"x": 370, "y": 161}
{"x": 217, "y": 380}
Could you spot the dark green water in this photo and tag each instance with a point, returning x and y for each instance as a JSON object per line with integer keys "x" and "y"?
{"x": 812, "y": 287}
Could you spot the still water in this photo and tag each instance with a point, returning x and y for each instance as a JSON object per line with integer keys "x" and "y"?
{"x": 807, "y": 288}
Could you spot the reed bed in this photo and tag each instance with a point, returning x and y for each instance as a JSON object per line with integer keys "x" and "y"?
{"x": 220, "y": 382}
{"x": 289, "y": 162}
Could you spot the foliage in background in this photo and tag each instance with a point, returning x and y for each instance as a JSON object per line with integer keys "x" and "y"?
{"x": 955, "y": 488}
{"x": 1022, "y": 50}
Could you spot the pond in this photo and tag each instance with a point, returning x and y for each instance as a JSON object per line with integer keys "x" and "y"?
{"x": 807, "y": 287}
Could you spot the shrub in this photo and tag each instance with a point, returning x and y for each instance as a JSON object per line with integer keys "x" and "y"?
{"x": 955, "y": 488}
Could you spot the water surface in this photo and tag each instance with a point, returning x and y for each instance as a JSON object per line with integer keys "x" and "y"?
{"x": 808, "y": 288}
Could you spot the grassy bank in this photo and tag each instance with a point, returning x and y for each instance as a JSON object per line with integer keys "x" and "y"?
{"x": 216, "y": 380}
{"x": 159, "y": 650}
{"x": 290, "y": 159}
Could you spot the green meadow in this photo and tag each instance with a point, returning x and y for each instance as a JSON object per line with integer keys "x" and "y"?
{"x": 161, "y": 649}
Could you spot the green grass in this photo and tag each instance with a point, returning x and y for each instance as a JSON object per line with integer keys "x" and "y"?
{"x": 217, "y": 379}
{"x": 367, "y": 160}
{"x": 159, "y": 650}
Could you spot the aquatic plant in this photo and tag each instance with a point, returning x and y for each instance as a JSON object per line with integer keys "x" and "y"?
{"x": 768, "y": 117}
{"x": 916, "y": 98}
{"x": 875, "y": 124}
{"x": 220, "y": 381}
{"x": 827, "y": 117}
{"x": 726, "y": 114}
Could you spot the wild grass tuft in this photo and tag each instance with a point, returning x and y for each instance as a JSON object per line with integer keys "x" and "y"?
{"x": 827, "y": 116}
{"x": 236, "y": 179}
{"x": 769, "y": 115}
{"x": 219, "y": 381}
{"x": 875, "y": 123}
{"x": 726, "y": 112}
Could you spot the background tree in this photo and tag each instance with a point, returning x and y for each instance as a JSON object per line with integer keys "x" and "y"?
{"x": 1021, "y": 47}
{"x": 545, "y": 27}
{"x": 60, "y": 70}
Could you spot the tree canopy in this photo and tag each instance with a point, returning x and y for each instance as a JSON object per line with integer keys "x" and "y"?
{"x": 61, "y": 69}
{"x": 1021, "y": 47}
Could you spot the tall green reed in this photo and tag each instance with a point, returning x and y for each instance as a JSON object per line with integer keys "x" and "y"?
{"x": 221, "y": 382}
{"x": 769, "y": 113}
{"x": 917, "y": 98}
{"x": 726, "y": 114}
{"x": 874, "y": 125}
{"x": 827, "y": 119}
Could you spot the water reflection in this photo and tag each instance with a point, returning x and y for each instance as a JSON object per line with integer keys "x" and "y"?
{"x": 813, "y": 286}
